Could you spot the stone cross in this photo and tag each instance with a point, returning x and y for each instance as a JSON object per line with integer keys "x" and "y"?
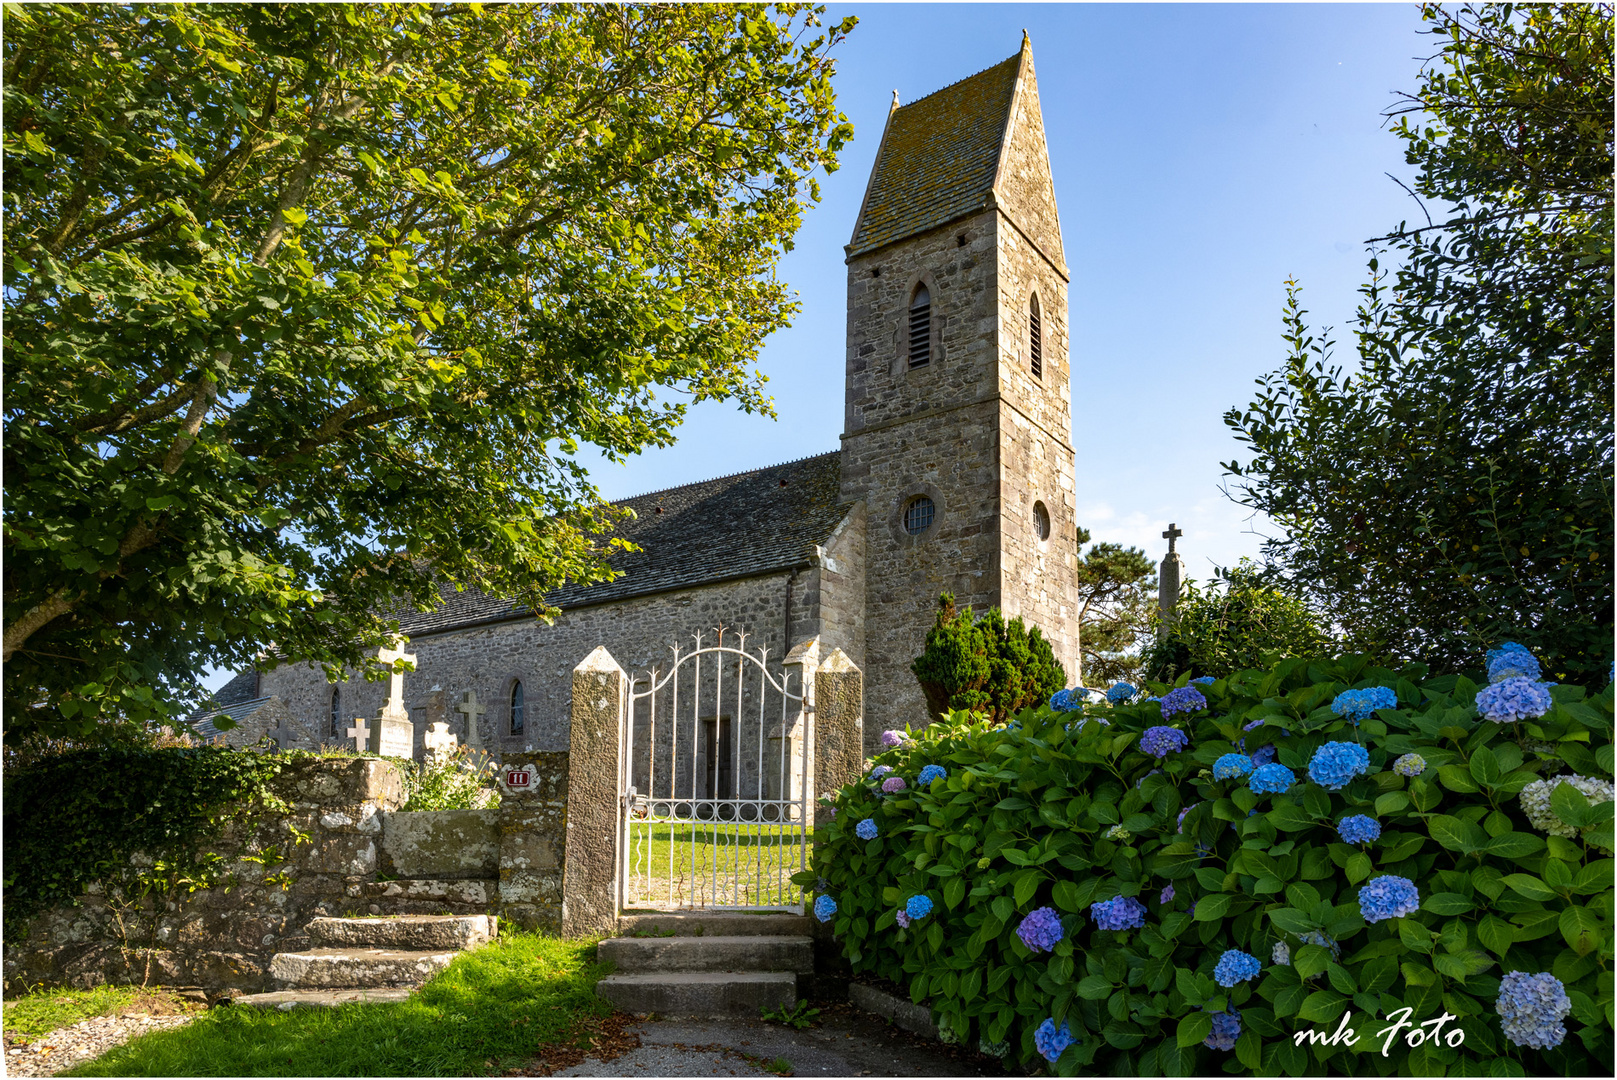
{"x": 395, "y": 690}
{"x": 281, "y": 735}
{"x": 472, "y": 710}
{"x": 439, "y": 740}
{"x": 360, "y": 733}
{"x": 1168, "y": 574}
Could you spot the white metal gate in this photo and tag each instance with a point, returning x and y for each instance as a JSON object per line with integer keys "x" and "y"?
{"x": 716, "y": 786}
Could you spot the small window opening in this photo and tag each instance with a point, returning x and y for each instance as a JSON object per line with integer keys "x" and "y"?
{"x": 336, "y": 713}
{"x": 518, "y": 711}
{"x": 1035, "y": 339}
{"x": 918, "y": 515}
{"x": 920, "y": 327}
{"x": 960, "y": 241}
{"x": 1041, "y": 521}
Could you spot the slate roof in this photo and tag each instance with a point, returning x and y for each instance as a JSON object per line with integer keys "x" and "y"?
{"x": 731, "y": 527}
{"x": 202, "y": 722}
{"x": 938, "y": 158}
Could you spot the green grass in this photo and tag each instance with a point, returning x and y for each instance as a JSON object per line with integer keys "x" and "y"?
{"x": 739, "y": 864}
{"x": 490, "y": 1010}
{"x": 40, "y": 1012}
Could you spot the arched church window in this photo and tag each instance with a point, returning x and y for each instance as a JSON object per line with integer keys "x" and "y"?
{"x": 1041, "y": 522}
{"x": 918, "y": 515}
{"x": 1035, "y": 338}
{"x": 518, "y": 711}
{"x": 920, "y": 327}
{"x": 336, "y": 711}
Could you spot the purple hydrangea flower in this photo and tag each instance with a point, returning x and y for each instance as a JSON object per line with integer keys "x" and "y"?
{"x": 1184, "y": 699}
{"x": 1041, "y": 930}
{"x": 1161, "y": 741}
{"x": 1226, "y": 1029}
{"x": 1358, "y": 705}
{"x": 1359, "y": 829}
{"x": 918, "y": 906}
{"x": 1271, "y": 779}
{"x": 1336, "y": 764}
{"x": 1234, "y": 967}
{"x": 893, "y": 738}
{"x": 880, "y": 771}
{"x": 1231, "y": 767}
{"x": 1263, "y": 755}
{"x": 1531, "y": 1009}
{"x": 893, "y": 783}
{"x": 1409, "y": 765}
{"x": 1050, "y": 1041}
{"x": 1167, "y": 895}
{"x": 1388, "y": 897}
{"x": 1118, "y": 913}
{"x": 824, "y": 908}
{"x": 903, "y": 918}
{"x": 1185, "y": 811}
{"x": 866, "y": 829}
{"x": 1518, "y": 698}
{"x": 931, "y": 773}
{"x": 1511, "y": 661}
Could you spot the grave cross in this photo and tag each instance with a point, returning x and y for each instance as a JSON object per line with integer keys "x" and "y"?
{"x": 395, "y": 690}
{"x": 439, "y": 741}
{"x": 1174, "y": 532}
{"x": 472, "y": 710}
{"x": 361, "y": 734}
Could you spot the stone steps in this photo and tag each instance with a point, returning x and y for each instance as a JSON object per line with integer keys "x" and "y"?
{"x": 427, "y": 932}
{"x": 707, "y": 966}
{"x": 370, "y": 959}
{"x": 345, "y": 969}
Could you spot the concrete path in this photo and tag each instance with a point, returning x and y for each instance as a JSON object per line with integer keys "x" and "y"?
{"x": 848, "y": 1042}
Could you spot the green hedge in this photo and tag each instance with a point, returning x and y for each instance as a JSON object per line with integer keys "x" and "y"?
{"x": 1063, "y": 810}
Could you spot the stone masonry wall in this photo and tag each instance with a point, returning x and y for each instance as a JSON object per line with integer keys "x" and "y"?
{"x": 360, "y": 857}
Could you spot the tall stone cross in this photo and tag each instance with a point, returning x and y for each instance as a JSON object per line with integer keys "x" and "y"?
{"x": 472, "y": 710}
{"x": 1168, "y": 574}
{"x": 395, "y": 690}
{"x": 360, "y": 733}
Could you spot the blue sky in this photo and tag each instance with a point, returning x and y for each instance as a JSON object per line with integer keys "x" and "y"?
{"x": 1202, "y": 154}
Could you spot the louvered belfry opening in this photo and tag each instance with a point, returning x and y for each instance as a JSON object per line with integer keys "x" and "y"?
{"x": 920, "y": 327}
{"x": 1035, "y": 339}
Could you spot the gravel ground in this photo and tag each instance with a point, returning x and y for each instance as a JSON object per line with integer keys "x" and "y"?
{"x": 846, "y": 1043}
{"x": 66, "y": 1047}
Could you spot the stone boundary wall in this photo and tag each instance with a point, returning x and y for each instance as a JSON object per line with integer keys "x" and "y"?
{"x": 362, "y": 856}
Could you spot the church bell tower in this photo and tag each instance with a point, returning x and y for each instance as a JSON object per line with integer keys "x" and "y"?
{"x": 957, "y": 430}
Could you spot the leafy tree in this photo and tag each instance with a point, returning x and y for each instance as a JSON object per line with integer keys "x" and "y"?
{"x": 309, "y": 307}
{"x": 1241, "y": 624}
{"x": 1455, "y": 489}
{"x": 1116, "y": 597}
{"x": 985, "y": 665}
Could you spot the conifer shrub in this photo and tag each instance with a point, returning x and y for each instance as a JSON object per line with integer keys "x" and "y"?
{"x": 985, "y": 665}
{"x": 1187, "y": 883}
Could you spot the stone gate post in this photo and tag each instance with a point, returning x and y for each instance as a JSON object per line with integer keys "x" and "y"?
{"x": 590, "y": 879}
{"x": 839, "y": 732}
{"x": 798, "y": 667}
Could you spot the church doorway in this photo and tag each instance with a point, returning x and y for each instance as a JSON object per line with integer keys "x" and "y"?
{"x": 718, "y": 761}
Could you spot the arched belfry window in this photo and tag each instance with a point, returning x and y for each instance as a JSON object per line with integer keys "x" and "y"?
{"x": 920, "y": 327}
{"x": 336, "y": 712}
{"x": 1035, "y": 338}
{"x": 518, "y": 711}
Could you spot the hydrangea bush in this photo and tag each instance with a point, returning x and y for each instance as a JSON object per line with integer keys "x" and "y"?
{"x": 1159, "y": 910}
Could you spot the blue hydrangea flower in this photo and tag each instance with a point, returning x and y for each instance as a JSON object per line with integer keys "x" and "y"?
{"x": 1271, "y": 779}
{"x": 1050, "y": 1041}
{"x": 931, "y": 773}
{"x": 1226, "y": 1029}
{"x": 1041, "y": 930}
{"x": 918, "y": 906}
{"x": 1531, "y": 1009}
{"x": 1067, "y": 701}
{"x": 1118, "y": 913}
{"x": 1358, "y": 705}
{"x": 1409, "y": 765}
{"x": 1231, "y": 767}
{"x": 1161, "y": 741}
{"x": 1205, "y": 680}
{"x": 866, "y": 829}
{"x": 1359, "y": 829}
{"x": 1388, "y": 897}
{"x": 1518, "y": 698}
{"x": 1167, "y": 895}
{"x": 1336, "y": 764}
{"x": 1511, "y": 661}
{"x": 824, "y": 908}
{"x": 1120, "y": 692}
{"x": 1141, "y": 780}
{"x": 880, "y": 771}
{"x": 1264, "y": 754}
{"x": 1184, "y": 699}
{"x": 1185, "y": 811}
{"x": 1325, "y": 941}
{"x": 1234, "y": 967}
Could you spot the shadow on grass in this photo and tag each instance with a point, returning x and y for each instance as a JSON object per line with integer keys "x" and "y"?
{"x": 491, "y": 1010}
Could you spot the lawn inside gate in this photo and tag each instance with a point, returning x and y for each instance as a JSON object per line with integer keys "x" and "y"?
{"x": 714, "y": 864}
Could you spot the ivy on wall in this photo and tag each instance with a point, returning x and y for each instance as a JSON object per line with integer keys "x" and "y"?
{"x": 83, "y": 817}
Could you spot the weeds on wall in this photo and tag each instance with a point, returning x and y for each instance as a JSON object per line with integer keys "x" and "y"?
{"x": 1225, "y": 875}
{"x": 464, "y": 779}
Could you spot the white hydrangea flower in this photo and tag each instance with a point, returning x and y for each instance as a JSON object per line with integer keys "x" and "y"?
{"x": 1535, "y": 800}
{"x": 1282, "y": 953}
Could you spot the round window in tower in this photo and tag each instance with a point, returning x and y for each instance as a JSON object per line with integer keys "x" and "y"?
{"x": 1041, "y": 522}
{"x": 918, "y": 515}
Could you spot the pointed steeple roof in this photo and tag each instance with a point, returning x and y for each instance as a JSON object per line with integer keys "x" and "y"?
{"x": 941, "y": 156}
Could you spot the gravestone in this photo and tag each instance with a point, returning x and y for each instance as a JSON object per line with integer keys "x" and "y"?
{"x": 392, "y": 734}
{"x": 360, "y": 733}
{"x": 472, "y": 710}
{"x": 1168, "y": 574}
{"x": 439, "y": 741}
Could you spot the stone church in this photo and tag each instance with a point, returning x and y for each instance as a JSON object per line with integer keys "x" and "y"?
{"x": 955, "y": 471}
